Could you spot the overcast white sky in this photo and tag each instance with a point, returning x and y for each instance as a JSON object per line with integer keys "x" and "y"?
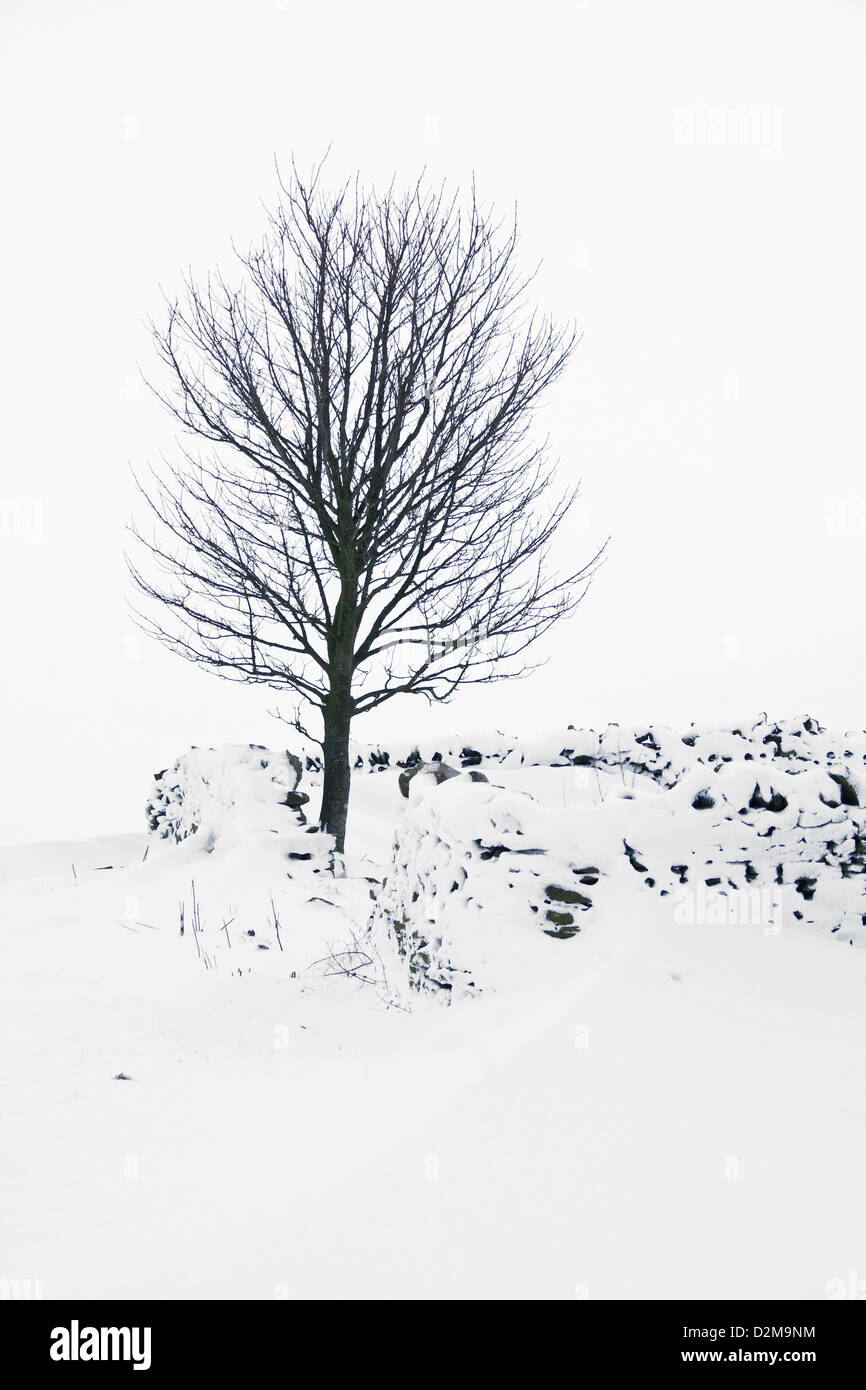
{"x": 691, "y": 174}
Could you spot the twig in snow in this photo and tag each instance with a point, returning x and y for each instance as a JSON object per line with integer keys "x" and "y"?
{"x": 195, "y": 920}
{"x": 197, "y": 930}
{"x": 598, "y": 785}
{"x": 346, "y": 963}
{"x": 276, "y": 924}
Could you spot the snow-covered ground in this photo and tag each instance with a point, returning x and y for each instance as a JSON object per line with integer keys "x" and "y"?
{"x": 665, "y": 1104}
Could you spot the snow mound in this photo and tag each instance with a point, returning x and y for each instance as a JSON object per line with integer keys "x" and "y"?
{"x": 475, "y": 866}
{"x": 238, "y": 794}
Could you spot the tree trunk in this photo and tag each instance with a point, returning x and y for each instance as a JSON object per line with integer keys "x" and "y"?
{"x": 337, "y": 716}
{"x": 339, "y": 705}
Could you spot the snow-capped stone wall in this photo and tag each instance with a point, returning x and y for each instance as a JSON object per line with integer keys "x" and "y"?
{"x": 652, "y": 750}
{"x": 761, "y": 824}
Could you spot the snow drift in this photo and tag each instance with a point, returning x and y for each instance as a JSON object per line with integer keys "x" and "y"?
{"x": 666, "y": 1103}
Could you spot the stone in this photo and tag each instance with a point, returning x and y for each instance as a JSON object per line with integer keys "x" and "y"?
{"x": 558, "y": 894}
{"x": 441, "y": 771}
{"x": 560, "y": 919}
{"x": 562, "y": 926}
{"x": 848, "y": 794}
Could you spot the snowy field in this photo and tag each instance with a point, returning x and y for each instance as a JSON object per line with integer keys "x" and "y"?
{"x": 652, "y": 1108}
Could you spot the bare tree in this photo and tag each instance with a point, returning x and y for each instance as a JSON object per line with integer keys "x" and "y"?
{"x": 369, "y": 519}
